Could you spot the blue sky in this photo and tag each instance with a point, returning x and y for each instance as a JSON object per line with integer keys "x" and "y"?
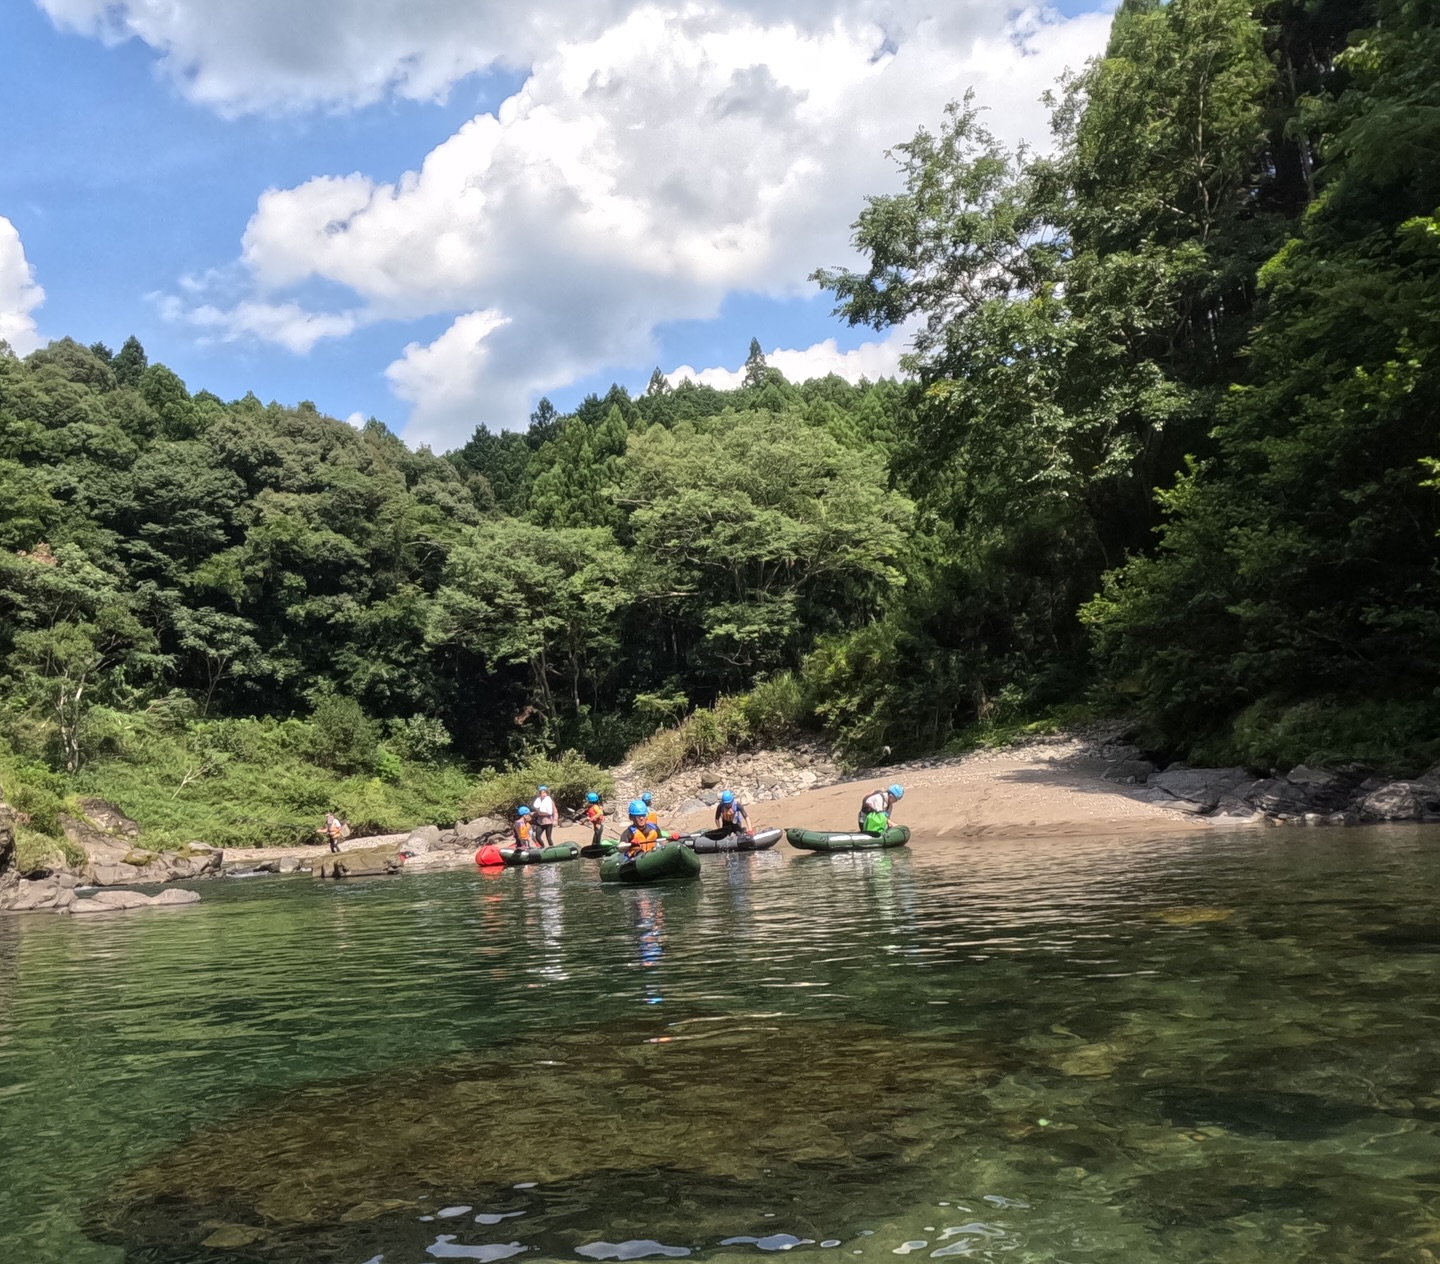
{"x": 654, "y": 193}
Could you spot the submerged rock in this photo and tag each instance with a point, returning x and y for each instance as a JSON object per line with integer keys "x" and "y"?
{"x": 648, "y": 1132}
{"x": 360, "y": 862}
{"x": 119, "y": 901}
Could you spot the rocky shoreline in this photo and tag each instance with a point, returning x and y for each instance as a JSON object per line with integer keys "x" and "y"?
{"x": 1302, "y": 796}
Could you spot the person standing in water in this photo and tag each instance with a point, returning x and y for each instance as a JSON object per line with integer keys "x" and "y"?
{"x": 875, "y": 809}
{"x": 521, "y": 828}
{"x": 545, "y": 812}
{"x": 595, "y": 817}
{"x": 730, "y": 815}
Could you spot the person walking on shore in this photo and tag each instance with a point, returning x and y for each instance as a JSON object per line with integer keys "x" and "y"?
{"x": 545, "y": 812}
{"x": 333, "y": 830}
{"x": 595, "y": 817}
{"x": 875, "y": 809}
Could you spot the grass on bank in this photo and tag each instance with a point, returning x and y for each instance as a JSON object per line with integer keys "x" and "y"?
{"x": 569, "y": 776}
{"x": 771, "y": 713}
{"x": 231, "y": 783}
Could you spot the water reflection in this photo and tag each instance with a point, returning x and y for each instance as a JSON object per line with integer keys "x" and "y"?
{"x": 1177, "y": 1050}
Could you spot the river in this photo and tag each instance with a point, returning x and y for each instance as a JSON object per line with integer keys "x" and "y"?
{"x": 1213, "y": 1047}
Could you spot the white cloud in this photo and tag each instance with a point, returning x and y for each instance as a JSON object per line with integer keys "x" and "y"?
{"x": 19, "y": 295}
{"x": 449, "y": 375}
{"x": 657, "y": 159}
{"x": 288, "y": 324}
{"x": 872, "y": 360}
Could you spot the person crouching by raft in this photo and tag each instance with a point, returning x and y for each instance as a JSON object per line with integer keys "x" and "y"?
{"x": 595, "y": 817}
{"x": 730, "y": 815}
{"x": 875, "y": 809}
{"x": 521, "y": 828}
{"x": 545, "y": 813}
{"x": 641, "y": 835}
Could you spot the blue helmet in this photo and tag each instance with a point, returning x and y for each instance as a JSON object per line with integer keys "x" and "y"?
{"x": 728, "y": 797}
{"x": 637, "y": 807}
{"x": 542, "y": 789}
{"x": 522, "y": 811}
{"x": 647, "y": 797}
{"x": 897, "y": 792}
{"x": 592, "y": 797}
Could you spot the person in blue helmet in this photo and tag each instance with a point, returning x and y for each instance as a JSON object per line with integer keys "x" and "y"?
{"x": 730, "y": 815}
{"x": 641, "y": 835}
{"x": 520, "y": 828}
{"x": 875, "y": 809}
{"x": 595, "y": 817}
{"x": 648, "y": 800}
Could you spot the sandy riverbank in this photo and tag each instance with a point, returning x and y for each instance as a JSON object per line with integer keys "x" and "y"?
{"x": 1050, "y": 788}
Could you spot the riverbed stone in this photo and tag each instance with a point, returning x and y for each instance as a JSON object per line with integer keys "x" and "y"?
{"x": 1278, "y": 797}
{"x": 1402, "y": 801}
{"x": 421, "y": 840}
{"x": 51, "y": 893}
{"x": 287, "y": 864}
{"x": 361, "y": 862}
{"x": 1130, "y": 771}
{"x": 121, "y": 901}
{"x": 1205, "y": 786}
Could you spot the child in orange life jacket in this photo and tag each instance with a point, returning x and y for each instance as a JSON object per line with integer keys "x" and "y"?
{"x": 648, "y": 800}
{"x": 595, "y": 816}
{"x": 521, "y": 828}
{"x": 640, "y": 835}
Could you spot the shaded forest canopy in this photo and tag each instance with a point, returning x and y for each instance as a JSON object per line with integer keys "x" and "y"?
{"x": 1166, "y": 447}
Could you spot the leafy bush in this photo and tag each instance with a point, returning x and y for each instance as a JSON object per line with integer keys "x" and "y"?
{"x": 35, "y": 851}
{"x": 771, "y": 712}
{"x": 345, "y": 738}
{"x": 421, "y": 739}
{"x": 569, "y": 777}
{"x": 1385, "y": 736}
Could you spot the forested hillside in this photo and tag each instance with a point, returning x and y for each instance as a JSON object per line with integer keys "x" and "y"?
{"x": 1165, "y": 449}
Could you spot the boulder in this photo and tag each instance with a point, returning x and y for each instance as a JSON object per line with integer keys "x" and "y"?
{"x": 691, "y": 805}
{"x": 1130, "y": 771}
{"x": 1314, "y": 778}
{"x": 421, "y": 840}
{"x": 287, "y": 864}
{"x": 1402, "y": 801}
{"x": 709, "y": 780}
{"x": 480, "y": 827}
{"x": 1206, "y": 786}
{"x": 53, "y": 893}
{"x": 107, "y": 817}
{"x": 362, "y": 862}
{"x": 1278, "y": 797}
{"x": 120, "y": 901}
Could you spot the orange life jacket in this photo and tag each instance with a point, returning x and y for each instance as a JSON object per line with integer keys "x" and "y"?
{"x": 595, "y": 814}
{"x": 652, "y": 819}
{"x": 522, "y": 830}
{"x": 641, "y": 837}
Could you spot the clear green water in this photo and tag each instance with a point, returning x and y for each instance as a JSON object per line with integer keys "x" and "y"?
{"x": 1215, "y": 1048}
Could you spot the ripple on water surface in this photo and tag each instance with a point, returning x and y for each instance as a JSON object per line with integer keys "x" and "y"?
{"x": 1211, "y": 1048}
